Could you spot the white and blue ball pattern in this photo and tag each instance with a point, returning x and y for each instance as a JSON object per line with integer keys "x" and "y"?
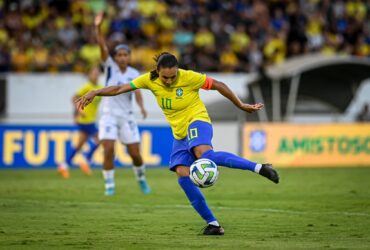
{"x": 204, "y": 173}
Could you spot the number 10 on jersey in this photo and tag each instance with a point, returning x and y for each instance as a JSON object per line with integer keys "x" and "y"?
{"x": 166, "y": 103}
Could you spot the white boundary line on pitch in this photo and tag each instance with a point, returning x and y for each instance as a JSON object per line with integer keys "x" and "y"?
{"x": 262, "y": 210}
{"x": 104, "y": 203}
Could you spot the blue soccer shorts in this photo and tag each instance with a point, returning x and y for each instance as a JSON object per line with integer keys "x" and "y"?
{"x": 89, "y": 128}
{"x": 199, "y": 133}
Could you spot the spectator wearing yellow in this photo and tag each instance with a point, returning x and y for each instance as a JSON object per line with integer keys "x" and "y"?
{"x": 4, "y": 37}
{"x": 314, "y": 29}
{"x": 165, "y": 37}
{"x": 81, "y": 13}
{"x": 167, "y": 22}
{"x": 239, "y": 39}
{"x": 140, "y": 52}
{"x": 148, "y": 20}
{"x": 90, "y": 52}
{"x": 21, "y": 59}
{"x": 204, "y": 38}
{"x": 40, "y": 58}
{"x": 275, "y": 48}
{"x": 33, "y": 18}
{"x": 328, "y": 50}
{"x": 357, "y": 9}
{"x": 77, "y": 11}
{"x": 148, "y": 8}
{"x": 229, "y": 61}
{"x": 332, "y": 42}
{"x": 362, "y": 48}
{"x": 54, "y": 60}
{"x": 149, "y": 26}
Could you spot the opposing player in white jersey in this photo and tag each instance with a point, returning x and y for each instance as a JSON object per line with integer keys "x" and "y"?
{"x": 117, "y": 120}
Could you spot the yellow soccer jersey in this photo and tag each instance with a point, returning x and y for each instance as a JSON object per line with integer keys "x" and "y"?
{"x": 180, "y": 102}
{"x": 90, "y": 111}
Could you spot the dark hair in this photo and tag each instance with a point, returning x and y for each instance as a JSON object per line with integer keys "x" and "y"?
{"x": 163, "y": 60}
{"x": 121, "y": 46}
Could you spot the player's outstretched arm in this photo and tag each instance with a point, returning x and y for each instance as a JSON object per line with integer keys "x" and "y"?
{"x": 86, "y": 99}
{"x": 104, "y": 52}
{"x": 224, "y": 90}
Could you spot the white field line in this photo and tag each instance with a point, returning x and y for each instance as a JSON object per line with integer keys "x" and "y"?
{"x": 172, "y": 206}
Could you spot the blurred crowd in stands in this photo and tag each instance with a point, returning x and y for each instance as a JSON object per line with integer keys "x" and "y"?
{"x": 206, "y": 35}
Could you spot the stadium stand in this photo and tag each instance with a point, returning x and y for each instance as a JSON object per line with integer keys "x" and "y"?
{"x": 224, "y": 36}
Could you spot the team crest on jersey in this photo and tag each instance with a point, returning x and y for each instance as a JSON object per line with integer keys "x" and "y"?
{"x": 179, "y": 92}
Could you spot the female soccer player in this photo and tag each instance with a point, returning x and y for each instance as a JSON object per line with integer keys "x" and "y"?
{"x": 85, "y": 122}
{"x": 117, "y": 121}
{"x": 177, "y": 93}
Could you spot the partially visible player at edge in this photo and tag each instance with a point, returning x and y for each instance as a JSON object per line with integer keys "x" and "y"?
{"x": 177, "y": 93}
{"x": 85, "y": 121}
{"x": 117, "y": 121}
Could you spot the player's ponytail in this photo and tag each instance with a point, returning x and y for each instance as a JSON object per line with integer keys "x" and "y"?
{"x": 163, "y": 60}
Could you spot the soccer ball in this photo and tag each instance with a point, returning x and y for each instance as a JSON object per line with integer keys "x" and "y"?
{"x": 203, "y": 173}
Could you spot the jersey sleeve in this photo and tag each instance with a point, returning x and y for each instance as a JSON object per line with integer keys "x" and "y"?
{"x": 200, "y": 80}
{"x": 109, "y": 62}
{"x": 141, "y": 82}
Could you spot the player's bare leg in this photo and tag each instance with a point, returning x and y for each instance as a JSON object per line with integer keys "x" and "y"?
{"x": 85, "y": 165}
{"x": 63, "y": 168}
{"x": 83, "y": 137}
{"x": 138, "y": 166}
{"x": 108, "y": 166}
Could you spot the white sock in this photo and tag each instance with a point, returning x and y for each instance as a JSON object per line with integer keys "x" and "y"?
{"x": 139, "y": 172}
{"x": 63, "y": 165}
{"x": 214, "y": 223}
{"x": 108, "y": 176}
{"x": 258, "y": 168}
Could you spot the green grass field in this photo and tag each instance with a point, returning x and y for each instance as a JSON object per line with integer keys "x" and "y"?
{"x": 309, "y": 209}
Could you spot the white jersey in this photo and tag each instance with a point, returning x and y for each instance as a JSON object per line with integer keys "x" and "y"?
{"x": 120, "y": 105}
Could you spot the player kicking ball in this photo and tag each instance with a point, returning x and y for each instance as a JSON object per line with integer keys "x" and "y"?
{"x": 177, "y": 93}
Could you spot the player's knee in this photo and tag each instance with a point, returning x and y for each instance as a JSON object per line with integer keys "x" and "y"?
{"x": 137, "y": 160}
{"x": 182, "y": 171}
{"x": 134, "y": 152}
{"x": 200, "y": 150}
